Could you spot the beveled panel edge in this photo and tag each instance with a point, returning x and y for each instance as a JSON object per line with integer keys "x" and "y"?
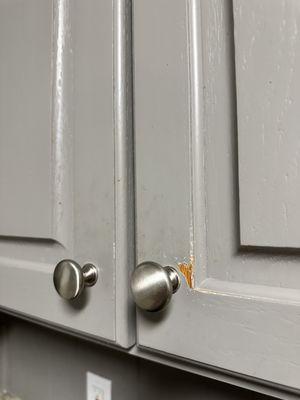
{"x": 198, "y": 254}
{"x": 62, "y": 128}
{"x": 124, "y": 170}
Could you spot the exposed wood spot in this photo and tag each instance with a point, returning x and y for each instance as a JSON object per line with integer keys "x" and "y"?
{"x": 187, "y": 269}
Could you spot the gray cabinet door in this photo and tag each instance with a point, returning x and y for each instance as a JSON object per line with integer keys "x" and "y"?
{"x": 65, "y": 178}
{"x": 217, "y": 166}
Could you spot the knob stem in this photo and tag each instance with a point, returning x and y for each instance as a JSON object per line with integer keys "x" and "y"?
{"x": 90, "y": 274}
{"x": 174, "y": 278}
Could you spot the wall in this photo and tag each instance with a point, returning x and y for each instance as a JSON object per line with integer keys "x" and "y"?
{"x": 37, "y": 363}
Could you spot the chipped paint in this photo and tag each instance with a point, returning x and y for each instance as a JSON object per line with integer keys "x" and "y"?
{"x": 187, "y": 270}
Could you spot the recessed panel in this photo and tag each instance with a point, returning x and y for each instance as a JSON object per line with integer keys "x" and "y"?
{"x": 25, "y": 118}
{"x": 267, "y": 48}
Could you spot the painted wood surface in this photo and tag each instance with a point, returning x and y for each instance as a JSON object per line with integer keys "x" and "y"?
{"x": 267, "y": 50}
{"x": 65, "y": 145}
{"x": 243, "y": 314}
{"x": 25, "y": 123}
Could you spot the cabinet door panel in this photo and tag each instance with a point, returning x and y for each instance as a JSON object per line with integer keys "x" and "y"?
{"x": 58, "y": 133}
{"x": 267, "y": 61}
{"x": 25, "y": 159}
{"x": 239, "y": 308}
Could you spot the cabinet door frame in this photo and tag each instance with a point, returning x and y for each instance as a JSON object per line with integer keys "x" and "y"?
{"x": 26, "y": 285}
{"x": 187, "y": 201}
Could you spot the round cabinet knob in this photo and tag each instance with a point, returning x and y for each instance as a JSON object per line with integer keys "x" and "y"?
{"x": 70, "y": 279}
{"x": 152, "y": 285}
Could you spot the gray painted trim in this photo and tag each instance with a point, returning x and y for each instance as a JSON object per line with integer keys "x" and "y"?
{"x": 62, "y": 129}
{"x": 3, "y": 355}
{"x": 124, "y": 177}
{"x": 197, "y": 141}
{"x": 208, "y": 371}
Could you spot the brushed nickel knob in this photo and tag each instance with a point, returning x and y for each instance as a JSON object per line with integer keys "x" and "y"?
{"x": 70, "y": 279}
{"x": 152, "y": 285}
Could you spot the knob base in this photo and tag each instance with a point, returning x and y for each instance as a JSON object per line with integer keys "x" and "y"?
{"x": 174, "y": 278}
{"x": 90, "y": 274}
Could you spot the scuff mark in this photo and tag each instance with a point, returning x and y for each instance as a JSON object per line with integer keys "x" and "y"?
{"x": 187, "y": 270}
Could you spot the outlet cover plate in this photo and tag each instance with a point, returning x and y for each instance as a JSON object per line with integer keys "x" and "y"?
{"x": 98, "y": 388}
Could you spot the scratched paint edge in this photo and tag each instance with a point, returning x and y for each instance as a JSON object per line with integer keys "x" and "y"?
{"x": 244, "y": 291}
{"x": 194, "y": 271}
{"x": 124, "y": 176}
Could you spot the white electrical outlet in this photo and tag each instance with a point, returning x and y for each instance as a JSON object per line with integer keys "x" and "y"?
{"x": 98, "y": 388}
